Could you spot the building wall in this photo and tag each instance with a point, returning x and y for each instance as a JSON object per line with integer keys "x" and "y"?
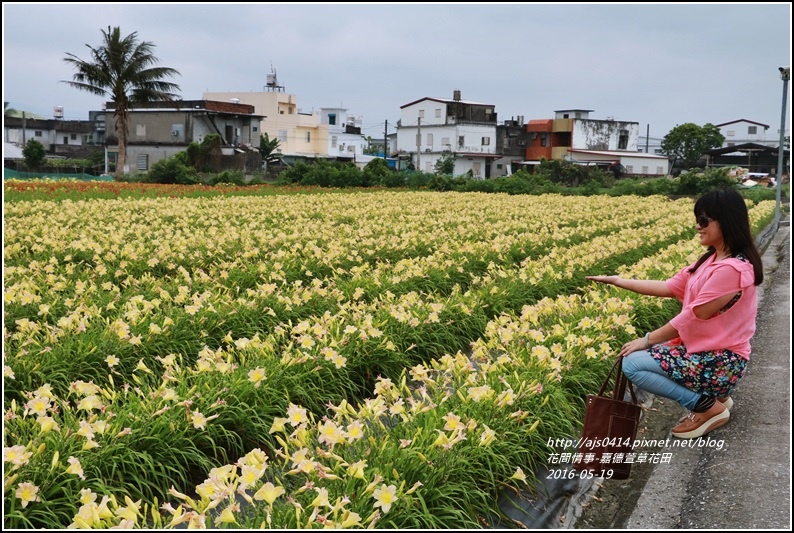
{"x": 465, "y": 138}
{"x": 430, "y": 112}
{"x": 283, "y": 121}
{"x": 49, "y": 132}
{"x": 183, "y": 127}
{"x": 604, "y": 135}
{"x": 645, "y": 166}
{"x": 652, "y": 146}
{"x": 743, "y": 131}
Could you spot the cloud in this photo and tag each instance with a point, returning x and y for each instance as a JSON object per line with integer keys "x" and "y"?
{"x": 658, "y": 64}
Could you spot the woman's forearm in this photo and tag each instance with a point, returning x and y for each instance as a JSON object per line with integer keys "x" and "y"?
{"x": 647, "y": 287}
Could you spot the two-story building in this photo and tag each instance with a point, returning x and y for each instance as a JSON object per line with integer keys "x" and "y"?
{"x": 511, "y": 142}
{"x": 430, "y": 127}
{"x": 67, "y": 138}
{"x": 330, "y": 133}
{"x": 342, "y": 133}
{"x": 573, "y": 136}
{"x": 298, "y": 133}
{"x": 158, "y": 130}
{"x": 745, "y": 131}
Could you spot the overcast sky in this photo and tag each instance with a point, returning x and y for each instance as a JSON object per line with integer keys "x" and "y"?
{"x": 656, "y": 64}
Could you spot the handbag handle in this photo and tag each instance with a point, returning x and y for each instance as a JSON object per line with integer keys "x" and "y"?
{"x": 620, "y": 383}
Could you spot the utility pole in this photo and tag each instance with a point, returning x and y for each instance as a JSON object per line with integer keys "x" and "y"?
{"x": 418, "y": 141}
{"x": 385, "y": 139}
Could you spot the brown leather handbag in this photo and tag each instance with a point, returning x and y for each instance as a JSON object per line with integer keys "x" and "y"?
{"x": 610, "y": 427}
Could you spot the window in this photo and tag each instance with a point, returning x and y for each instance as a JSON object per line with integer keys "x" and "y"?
{"x": 332, "y": 119}
{"x": 461, "y": 141}
{"x": 308, "y": 136}
{"x": 623, "y": 140}
{"x": 444, "y": 142}
{"x": 629, "y": 169}
{"x": 428, "y": 167}
{"x": 421, "y": 113}
{"x": 486, "y": 141}
{"x": 660, "y": 170}
{"x": 140, "y": 130}
{"x": 752, "y": 130}
{"x": 65, "y": 139}
{"x": 430, "y": 140}
{"x": 730, "y": 133}
{"x": 438, "y": 113}
{"x": 644, "y": 169}
{"x": 731, "y": 144}
{"x": 143, "y": 161}
{"x": 254, "y": 129}
{"x": 544, "y": 139}
{"x": 37, "y": 133}
{"x": 565, "y": 115}
{"x": 334, "y": 140}
{"x": 282, "y": 136}
{"x": 73, "y": 137}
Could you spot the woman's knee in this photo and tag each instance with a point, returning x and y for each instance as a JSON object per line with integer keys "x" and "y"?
{"x": 637, "y": 362}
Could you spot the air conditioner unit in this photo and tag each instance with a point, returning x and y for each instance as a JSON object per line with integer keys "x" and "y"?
{"x": 427, "y": 150}
{"x": 174, "y": 133}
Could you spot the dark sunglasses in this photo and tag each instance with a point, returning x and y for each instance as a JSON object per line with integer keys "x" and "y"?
{"x": 703, "y": 220}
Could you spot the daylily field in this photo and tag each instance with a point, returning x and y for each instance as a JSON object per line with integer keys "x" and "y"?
{"x": 350, "y": 359}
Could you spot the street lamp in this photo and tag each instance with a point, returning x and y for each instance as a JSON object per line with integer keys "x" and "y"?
{"x": 785, "y": 75}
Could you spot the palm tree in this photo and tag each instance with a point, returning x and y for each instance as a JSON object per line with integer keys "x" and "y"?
{"x": 121, "y": 68}
{"x": 268, "y": 148}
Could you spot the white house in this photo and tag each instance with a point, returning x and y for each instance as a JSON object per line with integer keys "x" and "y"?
{"x": 342, "y": 132}
{"x": 430, "y": 127}
{"x": 747, "y": 131}
{"x": 572, "y": 135}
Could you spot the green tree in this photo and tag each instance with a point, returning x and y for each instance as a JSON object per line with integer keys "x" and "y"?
{"x": 688, "y": 142}
{"x": 121, "y": 68}
{"x": 34, "y": 153}
{"x": 8, "y": 111}
{"x": 268, "y": 148}
{"x": 445, "y": 165}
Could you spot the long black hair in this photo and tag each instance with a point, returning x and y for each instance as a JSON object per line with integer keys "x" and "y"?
{"x": 728, "y": 207}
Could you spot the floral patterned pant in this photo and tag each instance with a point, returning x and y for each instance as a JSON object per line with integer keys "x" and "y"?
{"x": 713, "y": 373}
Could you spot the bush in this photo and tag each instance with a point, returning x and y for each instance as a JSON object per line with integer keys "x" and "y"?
{"x": 34, "y": 153}
{"x": 392, "y": 179}
{"x": 415, "y": 180}
{"x": 643, "y": 187}
{"x": 759, "y": 194}
{"x": 563, "y": 172}
{"x": 234, "y": 177}
{"x": 698, "y": 182}
{"x": 172, "y": 171}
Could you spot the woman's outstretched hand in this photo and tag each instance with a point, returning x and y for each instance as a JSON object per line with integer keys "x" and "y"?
{"x": 609, "y": 280}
